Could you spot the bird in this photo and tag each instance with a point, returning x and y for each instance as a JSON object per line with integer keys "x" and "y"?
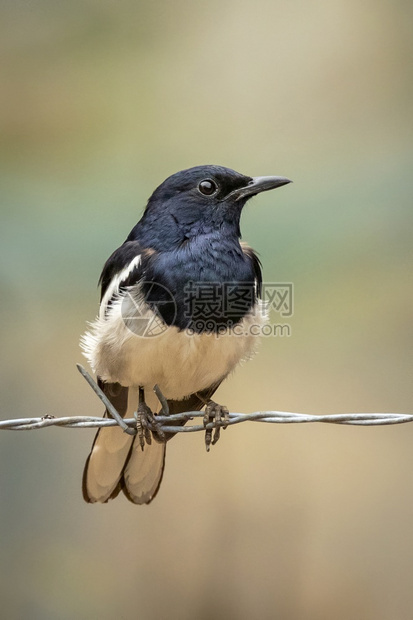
{"x": 178, "y": 301}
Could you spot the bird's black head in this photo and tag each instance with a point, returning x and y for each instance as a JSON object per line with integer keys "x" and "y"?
{"x": 199, "y": 201}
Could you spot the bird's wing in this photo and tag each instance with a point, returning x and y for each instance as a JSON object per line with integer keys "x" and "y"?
{"x": 105, "y": 470}
{"x": 122, "y": 269}
{"x": 252, "y": 256}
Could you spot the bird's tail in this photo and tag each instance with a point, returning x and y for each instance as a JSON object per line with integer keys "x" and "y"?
{"x": 117, "y": 463}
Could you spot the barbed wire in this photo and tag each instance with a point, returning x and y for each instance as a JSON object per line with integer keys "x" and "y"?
{"x": 129, "y": 424}
{"x": 272, "y": 417}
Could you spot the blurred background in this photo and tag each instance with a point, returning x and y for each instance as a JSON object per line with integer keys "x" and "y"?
{"x": 100, "y": 101}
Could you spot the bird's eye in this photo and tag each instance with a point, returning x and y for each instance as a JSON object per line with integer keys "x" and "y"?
{"x": 207, "y": 187}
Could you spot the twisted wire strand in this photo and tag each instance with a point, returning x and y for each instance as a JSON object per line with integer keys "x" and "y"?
{"x": 272, "y": 417}
{"x": 129, "y": 424}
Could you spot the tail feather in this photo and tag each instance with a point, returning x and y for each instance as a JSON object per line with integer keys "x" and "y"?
{"x": 144, "y": 472}
{"x": 117, "y": 462}
{"x": 105, "y": 464}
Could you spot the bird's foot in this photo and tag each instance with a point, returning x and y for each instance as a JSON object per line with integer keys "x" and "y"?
{"x": 145, "y": 422}
{"x": 219, "y": 416}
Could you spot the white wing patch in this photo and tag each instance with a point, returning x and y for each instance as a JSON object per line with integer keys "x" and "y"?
{"x": 114, "y": 286}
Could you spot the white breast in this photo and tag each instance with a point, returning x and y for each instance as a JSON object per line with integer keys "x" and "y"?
{"x": 181, "y": 363}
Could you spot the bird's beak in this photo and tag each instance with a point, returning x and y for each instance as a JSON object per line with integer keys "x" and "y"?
{"x": 257, "y": 185}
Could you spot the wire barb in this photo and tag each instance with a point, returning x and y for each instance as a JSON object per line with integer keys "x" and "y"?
{"x": 113, "y": 412}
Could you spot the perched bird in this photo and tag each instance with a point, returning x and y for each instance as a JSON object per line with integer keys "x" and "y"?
{"x": 178, "y": 300}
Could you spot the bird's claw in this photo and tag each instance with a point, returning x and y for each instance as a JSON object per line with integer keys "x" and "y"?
{"x": 145, "y": 422}
{"x": 218, "y": 415}
{"x": 142, "y": 415}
